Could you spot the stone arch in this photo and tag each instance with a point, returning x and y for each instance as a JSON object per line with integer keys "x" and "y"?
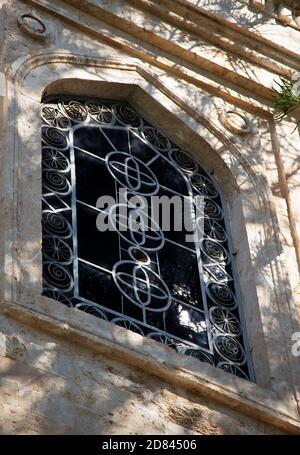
{"x": 243, "y": 186}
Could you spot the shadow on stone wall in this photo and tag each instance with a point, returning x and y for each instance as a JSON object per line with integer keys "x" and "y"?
{"x": 54, "y": 387}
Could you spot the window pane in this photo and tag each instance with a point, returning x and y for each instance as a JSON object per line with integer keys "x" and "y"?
{"x": 163, "y": 268}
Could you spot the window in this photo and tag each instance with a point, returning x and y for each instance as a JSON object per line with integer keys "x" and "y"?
{"x": 108, "y": 173}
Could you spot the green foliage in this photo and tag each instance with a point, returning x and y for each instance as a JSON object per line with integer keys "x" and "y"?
{"x": 287, "y": 99}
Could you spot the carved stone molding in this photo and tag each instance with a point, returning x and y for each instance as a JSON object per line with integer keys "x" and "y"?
{"x": 287, "y": 12}
{"x": 11, "y": 346}
{"x": 33, "y": 26}
{"x": 236, "y": 171}
{"x": 235, "y": 122}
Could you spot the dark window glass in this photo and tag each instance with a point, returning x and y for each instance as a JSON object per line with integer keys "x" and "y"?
{"x": 156, "y": 282}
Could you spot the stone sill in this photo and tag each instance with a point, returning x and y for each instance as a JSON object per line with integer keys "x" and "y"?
{"x": 127, "y": 347}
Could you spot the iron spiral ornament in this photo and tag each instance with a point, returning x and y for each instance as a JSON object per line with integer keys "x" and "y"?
{"x": 172, "y": 288}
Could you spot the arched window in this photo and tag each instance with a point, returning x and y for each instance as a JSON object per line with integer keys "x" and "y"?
{"x": 123, "y": 210}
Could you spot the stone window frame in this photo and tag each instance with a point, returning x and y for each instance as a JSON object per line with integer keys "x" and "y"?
{"x": 269, "y": 314}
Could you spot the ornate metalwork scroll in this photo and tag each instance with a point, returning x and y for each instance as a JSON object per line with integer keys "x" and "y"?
{"x": 182, "y": 294}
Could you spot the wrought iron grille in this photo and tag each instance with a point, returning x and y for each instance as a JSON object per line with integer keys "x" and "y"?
{"x": 157, "y": 284}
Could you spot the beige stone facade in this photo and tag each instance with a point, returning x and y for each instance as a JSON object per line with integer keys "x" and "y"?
{"x": 203, "y": 71}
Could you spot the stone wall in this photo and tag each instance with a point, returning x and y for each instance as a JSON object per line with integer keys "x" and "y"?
{"x": 49, "y": 386}
{"x": 203, "y": 72}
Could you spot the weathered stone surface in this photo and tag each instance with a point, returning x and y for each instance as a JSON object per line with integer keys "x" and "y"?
{"x": 203, "y": 74}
